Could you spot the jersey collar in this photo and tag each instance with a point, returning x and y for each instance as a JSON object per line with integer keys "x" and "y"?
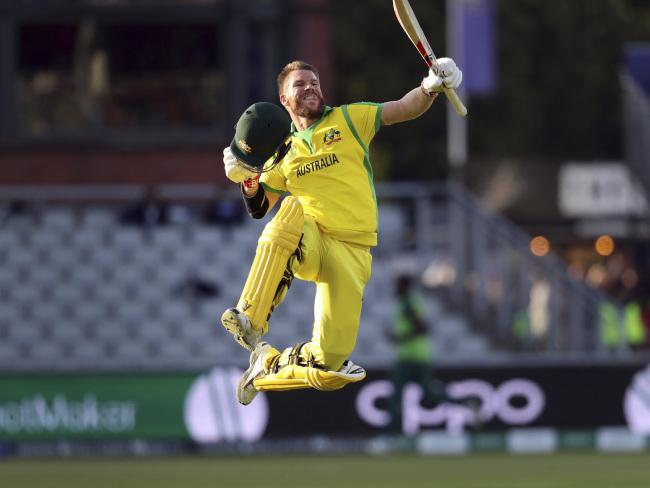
{"x": 295, "y": 132}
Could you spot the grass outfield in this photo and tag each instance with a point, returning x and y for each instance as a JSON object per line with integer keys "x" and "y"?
{"x": 588, "y": 470}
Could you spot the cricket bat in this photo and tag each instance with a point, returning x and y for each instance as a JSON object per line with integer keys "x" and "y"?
{"x": 411, "y": 26}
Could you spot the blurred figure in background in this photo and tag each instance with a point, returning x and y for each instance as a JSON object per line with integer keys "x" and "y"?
{"x": 149, "y": 212}
{"x": 414, "y": 353}
{"x": 622, "y": 315}
{"x": 531, "y": 322}
{"x": 224, "y": 211}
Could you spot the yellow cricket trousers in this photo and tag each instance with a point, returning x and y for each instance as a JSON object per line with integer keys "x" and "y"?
{"x": 340, "y": 271}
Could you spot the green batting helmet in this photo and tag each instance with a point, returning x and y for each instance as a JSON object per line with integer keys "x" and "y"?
{"x": 261, "y": 133}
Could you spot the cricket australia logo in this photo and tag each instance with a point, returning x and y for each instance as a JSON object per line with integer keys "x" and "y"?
{"x": 212, "y": 413}
{"x": 637, "y": 403}
{"x": 331, "y": 136}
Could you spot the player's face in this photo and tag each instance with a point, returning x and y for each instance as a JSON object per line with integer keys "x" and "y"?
{"x": 302, "y": 94}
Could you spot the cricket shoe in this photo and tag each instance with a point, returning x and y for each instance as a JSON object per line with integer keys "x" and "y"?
{"x": 246, "y": 389}
{"x": 239, "y": 325}
{"x": 351, "y": 369}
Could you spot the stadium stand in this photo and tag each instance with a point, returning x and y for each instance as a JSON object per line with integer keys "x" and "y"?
{"x": 81, "y": 288}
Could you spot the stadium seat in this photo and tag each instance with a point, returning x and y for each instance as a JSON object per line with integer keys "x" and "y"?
{"x": 44, "y": 352}
{"x": 98, "y": 217}
{"x": 78, "y": 288}
{"x": 106, "y": 257}
{"x": 61, "y": 219}
{"x": 87, "y": 239}
{"x": 127, "y": 239}
{"x": 88, "y": 355}
{"x": 10, "y": 241}
{"x": 131, "y": 353}
{"x": 10, "y": 355}
{"x": 9, "y": 313}
{"x": 24, "y": 331}
{"x": 45, "y": 240}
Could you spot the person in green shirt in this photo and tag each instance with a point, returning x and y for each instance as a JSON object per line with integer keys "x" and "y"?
{"x": 410, "y": 335}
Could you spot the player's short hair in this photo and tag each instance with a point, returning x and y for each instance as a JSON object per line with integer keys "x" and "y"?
{"x": 294, "y": 66}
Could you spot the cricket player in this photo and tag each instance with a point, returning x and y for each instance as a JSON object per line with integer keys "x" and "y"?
{"x": 324, "y": 229}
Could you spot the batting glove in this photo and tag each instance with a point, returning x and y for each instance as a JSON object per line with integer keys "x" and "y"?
{"x": 235, "y": 171}
{"x": 450, "y": 75}
{"x": 251, "y": 185}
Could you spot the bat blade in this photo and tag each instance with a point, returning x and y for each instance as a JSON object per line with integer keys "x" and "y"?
{"x": 409, "y": 22}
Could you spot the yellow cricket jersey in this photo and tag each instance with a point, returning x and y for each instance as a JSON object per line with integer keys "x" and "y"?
{"x": 328, "y": 170}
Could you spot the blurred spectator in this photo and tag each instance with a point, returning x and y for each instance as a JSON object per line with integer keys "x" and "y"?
{"x": 225, "y": 211}
{"x": 621, "y": 317}
{"x": 198, "y": 288}
{"x": 531, "y": 323}
{"x": 177, "y": 213}
{"x": 622, "y": 327}
{"x": 540, "y": 293}
{"x": 17, "y": 208}
{"x": 577, "y": 270}
{"x": 633, "y": 324}
{"x": 644, "y": 303}
{"x": 414, "y": 355}
{"x": 610, "y": 325}
{"x": 439, "y": 273}
{"x": 148, "y": 212}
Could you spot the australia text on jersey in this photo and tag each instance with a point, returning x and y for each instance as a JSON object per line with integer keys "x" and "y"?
{"x": 317, "y": 165}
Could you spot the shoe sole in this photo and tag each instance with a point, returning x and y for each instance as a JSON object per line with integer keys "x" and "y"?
{"x": 230, "y": 321}
{"x": 246, "y": 380}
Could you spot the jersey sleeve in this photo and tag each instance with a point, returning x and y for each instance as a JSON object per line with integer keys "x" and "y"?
{"x": 274, "y": 180}
{"x": 366, "y": 118}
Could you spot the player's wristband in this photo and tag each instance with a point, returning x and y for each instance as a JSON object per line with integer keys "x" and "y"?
{"x": 257, "y": 204}
{"x": 251, "y": 184}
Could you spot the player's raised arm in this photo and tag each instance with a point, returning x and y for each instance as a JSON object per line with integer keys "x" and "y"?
{"x": 418, "y": 100}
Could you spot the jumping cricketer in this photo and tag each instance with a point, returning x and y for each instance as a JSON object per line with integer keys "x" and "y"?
{"x": 325, "y": 227}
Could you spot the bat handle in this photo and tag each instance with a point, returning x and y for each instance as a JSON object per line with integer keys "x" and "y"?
{"x": 455, "y": 101}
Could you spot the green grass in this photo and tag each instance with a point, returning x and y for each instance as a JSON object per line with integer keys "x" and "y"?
{"x": 588, "y": 470}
